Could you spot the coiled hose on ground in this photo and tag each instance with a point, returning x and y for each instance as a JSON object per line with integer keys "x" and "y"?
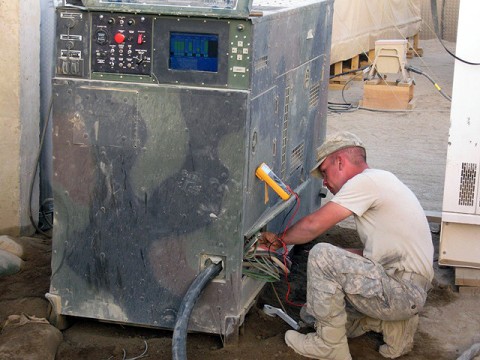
{"x": 179, "y": 340}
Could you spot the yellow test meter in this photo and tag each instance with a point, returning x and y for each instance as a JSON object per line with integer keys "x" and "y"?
{"x": 266, "y": 174}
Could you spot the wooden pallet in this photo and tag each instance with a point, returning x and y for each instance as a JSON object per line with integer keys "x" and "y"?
{"x": 413, "y": 48}
{"x": 354, "y": 63}
{"x": 363, "y": 59}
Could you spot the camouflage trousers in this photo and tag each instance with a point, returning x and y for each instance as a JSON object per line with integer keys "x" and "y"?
{"x": 334, "y": 274}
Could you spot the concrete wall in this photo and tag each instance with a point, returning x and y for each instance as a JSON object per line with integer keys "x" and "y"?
{"x": 19, "y": 115}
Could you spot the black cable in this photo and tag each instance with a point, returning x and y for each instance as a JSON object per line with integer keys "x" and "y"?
{"x": 349, "y": 72}
{"x": 179, "y": 339}
{"x": 385, "y": 111}
{"x": 433, "y": 6}
{"x": 345, "y": 86}
{"x": 341, "y": 108}
{"x": 289, "y": 211}
{"x": 37, "y": 161}
{"x": 420, "y": 72}
{"x": 47, "y": 220}
{"x": 345, "y": 106}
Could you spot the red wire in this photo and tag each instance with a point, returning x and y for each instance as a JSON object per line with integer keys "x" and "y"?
{"x": 285, "y": 249}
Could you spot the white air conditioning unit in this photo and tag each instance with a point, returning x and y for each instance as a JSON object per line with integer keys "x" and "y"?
{"x": 460, "y": 233}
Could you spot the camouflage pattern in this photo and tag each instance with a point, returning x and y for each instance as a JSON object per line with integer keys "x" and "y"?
{"x": 335, "y": 274}
{"x": 155, "y": 173}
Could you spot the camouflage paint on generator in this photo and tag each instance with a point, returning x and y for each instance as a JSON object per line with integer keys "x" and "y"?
{"x": 160, "y": 119}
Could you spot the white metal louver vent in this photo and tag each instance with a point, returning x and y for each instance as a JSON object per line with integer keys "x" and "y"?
{"x": 468, "y": 179}
{"x": 286, "y": 114}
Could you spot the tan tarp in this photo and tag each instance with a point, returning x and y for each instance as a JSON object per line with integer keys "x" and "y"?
{"x": 357, "y": 24}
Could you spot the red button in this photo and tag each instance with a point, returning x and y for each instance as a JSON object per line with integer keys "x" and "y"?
{"x": 140, "y": 39}
{"x": 119, "y": 38}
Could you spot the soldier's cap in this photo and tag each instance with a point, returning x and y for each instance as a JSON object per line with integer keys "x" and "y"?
{"x": 332, "y": 143}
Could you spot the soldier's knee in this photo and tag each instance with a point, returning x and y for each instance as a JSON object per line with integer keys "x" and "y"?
{"x": 321, "y": 250}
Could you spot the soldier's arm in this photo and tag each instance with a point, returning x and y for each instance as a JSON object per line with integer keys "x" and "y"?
{"x": 310, "y": 226}
{"x": 316, "y": 223}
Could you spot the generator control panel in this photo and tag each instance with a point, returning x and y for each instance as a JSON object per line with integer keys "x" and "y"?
{"x": 124, "y": 46}
{"x": 121, "y": 43}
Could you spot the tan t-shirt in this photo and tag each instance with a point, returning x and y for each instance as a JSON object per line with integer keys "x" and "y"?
{"x": 390, "y": 221}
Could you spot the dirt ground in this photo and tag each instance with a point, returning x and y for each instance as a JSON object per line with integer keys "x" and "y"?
{"x": 449, "y": 324}
{"x": 412, "y": 144}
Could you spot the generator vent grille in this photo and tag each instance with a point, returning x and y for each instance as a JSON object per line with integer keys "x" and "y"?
{"x": 468, "y": 178}
{"x": 286, "y": 114}
{"x": 314, "y": 95}
{"x": 261, "y": 63}
{"x": 297, "y": 156}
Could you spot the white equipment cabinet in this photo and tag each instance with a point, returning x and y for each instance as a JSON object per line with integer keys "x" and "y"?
{"x": 460, "y": 233}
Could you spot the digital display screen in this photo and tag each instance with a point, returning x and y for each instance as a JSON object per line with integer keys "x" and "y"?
{"x": 197, "y": 52}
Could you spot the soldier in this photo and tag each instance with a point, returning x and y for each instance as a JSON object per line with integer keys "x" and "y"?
{"x": 385, "y": 284}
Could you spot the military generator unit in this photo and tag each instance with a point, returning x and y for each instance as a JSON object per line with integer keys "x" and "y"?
{"x": 162, "y": 112}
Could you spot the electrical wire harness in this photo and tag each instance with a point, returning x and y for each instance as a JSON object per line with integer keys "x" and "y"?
{"x": 263, "y": 263}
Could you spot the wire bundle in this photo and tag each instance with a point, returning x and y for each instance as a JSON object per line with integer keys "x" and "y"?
{"x": 261, "y": 261}
{"x": 264, "y": 264}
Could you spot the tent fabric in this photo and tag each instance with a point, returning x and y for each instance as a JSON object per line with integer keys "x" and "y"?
{"x": 357, "y": 24}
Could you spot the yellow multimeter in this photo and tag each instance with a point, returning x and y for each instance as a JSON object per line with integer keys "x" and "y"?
{"x": 266, "y": 174}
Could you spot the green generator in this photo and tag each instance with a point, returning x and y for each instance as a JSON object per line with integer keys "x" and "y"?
{"x": 162, "y": 112}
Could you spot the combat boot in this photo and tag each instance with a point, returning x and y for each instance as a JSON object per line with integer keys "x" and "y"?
{"x": 327, "y": 343}
{"x": 398, "y": 337}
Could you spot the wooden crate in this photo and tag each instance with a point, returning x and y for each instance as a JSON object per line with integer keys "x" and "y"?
{"x": 387, "y": 95}
{"x": 354, "y": 63}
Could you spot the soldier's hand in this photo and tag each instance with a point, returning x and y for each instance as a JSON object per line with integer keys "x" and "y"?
{"x": 270, "y": 240}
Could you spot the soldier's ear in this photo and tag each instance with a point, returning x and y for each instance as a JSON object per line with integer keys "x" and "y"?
{"x": 341, "y": 162}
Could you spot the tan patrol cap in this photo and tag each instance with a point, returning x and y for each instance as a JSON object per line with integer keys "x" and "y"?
{"x": 332, "y": 143}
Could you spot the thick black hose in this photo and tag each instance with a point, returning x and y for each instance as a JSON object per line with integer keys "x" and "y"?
{"x": 179, "y": 340}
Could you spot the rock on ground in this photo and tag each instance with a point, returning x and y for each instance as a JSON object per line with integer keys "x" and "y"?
{"x": 28, "y": 338}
